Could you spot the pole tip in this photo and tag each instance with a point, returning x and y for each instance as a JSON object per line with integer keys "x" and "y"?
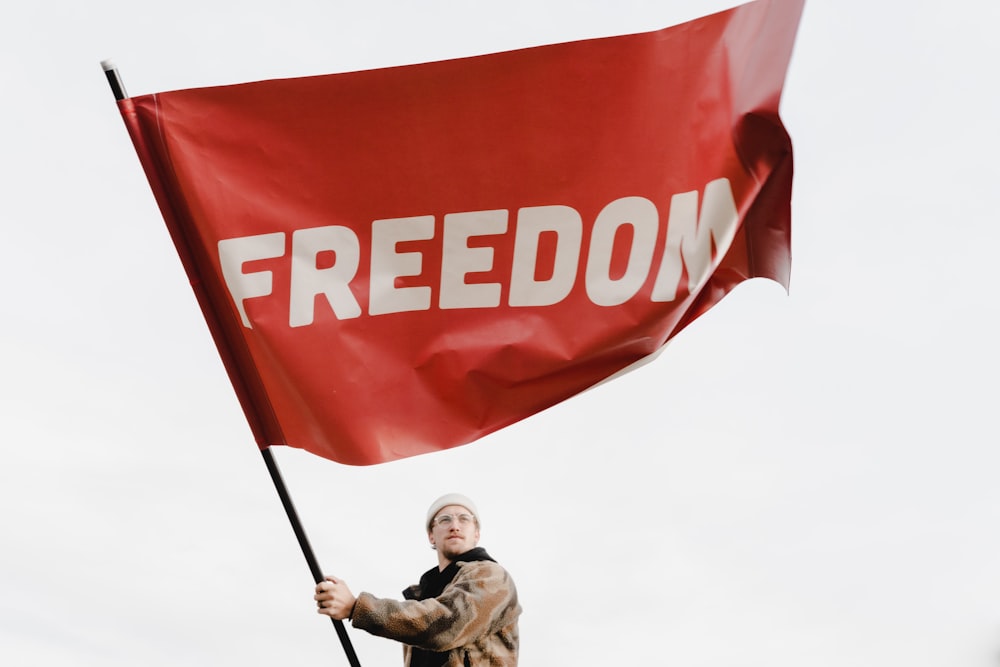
{"x": 108, "y": 65}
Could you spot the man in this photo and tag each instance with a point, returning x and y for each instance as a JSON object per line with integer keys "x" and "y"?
{"x": 463, "y": 613}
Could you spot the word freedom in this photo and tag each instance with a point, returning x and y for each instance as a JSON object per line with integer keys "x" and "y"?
{"x": 691, "y": 237}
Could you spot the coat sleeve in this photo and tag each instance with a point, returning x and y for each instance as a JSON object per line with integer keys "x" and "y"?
{"x": 479, "y": 601}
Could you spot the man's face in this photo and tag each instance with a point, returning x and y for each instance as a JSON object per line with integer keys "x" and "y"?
{"x": 453, "y": 531}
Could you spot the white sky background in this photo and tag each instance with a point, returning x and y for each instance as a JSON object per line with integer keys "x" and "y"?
{"x": 803, "y": 479}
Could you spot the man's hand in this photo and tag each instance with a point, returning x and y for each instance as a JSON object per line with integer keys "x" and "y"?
{"x": 334, "y": 599}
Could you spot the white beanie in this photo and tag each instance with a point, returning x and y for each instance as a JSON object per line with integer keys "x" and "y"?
{"x": 451, "y": 499}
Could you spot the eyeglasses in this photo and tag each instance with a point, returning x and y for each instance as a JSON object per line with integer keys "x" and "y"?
{"x": 448, "y": 519}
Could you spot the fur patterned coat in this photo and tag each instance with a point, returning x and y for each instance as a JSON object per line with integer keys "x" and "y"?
{"x": 463, "y": 616}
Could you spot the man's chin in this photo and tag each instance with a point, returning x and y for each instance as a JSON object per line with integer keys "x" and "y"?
{"x": 455, "y": 549}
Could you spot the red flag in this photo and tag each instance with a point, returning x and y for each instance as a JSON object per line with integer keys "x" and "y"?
{"x": 403, "y": 260}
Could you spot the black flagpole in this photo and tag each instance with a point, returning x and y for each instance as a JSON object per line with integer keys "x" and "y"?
{"x": 118, "y": 88}
{"x": 300, "y": 535}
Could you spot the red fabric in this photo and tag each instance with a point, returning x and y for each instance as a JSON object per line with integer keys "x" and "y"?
{"x": 624, "y": 123}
